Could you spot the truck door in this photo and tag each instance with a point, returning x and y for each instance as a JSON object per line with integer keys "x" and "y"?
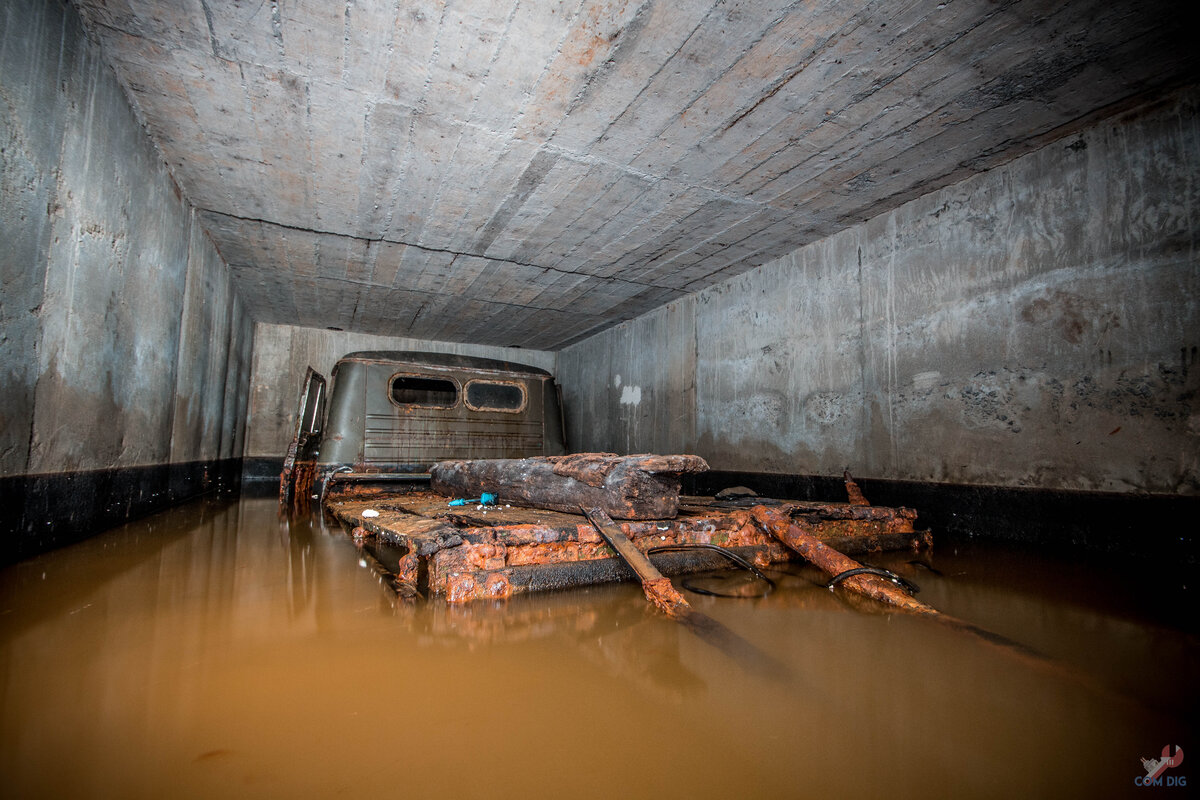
{"x": 310, "y": 415}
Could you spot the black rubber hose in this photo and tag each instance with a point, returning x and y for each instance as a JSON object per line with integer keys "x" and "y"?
{"x": 731, "y": 556}
{"x": 906, "y": 585}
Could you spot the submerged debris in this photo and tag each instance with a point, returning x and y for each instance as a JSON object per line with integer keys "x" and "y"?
{"x": 461, "y": 557}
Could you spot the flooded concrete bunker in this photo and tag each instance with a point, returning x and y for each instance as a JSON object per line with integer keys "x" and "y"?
{"x": 667, "y": 399}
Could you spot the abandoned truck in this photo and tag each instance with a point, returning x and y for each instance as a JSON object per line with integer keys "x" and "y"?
{"x": 390, "y": 415}
{"x": 394, "y": 449}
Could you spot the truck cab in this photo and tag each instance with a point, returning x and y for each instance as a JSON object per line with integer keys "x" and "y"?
{"x": 390, "y": 415}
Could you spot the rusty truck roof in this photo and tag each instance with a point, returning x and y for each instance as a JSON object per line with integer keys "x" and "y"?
{"x": 427, "y": 359}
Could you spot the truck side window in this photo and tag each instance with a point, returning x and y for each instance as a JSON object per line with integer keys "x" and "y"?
{"x": 495, "y": 396}
{"x": 418, "y": 390}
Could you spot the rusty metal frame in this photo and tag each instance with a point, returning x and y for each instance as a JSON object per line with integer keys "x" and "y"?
{"x": 479, "y": 553}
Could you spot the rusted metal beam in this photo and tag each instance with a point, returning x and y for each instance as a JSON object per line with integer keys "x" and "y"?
{"x": 658, "y": 588}
{"x": 624, "y": 487}
{"x": 831, "y": 561}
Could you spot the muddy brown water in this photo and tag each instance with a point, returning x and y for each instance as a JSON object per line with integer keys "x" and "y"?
{"x": 216, "y": 651}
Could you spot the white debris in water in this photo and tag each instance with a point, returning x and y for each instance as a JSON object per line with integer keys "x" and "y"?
{"x": 370, "y": 512}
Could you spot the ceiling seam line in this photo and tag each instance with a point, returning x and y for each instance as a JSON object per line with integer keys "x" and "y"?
{"x": 426, "y": 248}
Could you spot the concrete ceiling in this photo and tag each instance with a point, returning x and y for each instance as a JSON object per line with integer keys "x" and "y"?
{"x": 520, "y": 172}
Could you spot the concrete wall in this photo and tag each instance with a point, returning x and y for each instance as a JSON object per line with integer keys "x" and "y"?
{"x": 216, "y": 341}
{"x": 1034, "y": 326}
{"x": 282, "y": 354}
{"x": 126, "y": 350}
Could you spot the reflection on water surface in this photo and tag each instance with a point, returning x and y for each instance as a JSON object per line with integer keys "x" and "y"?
{"x": 214, "y": 650}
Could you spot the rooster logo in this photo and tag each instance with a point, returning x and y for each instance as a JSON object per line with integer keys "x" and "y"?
{"x": 1157, "y": 766}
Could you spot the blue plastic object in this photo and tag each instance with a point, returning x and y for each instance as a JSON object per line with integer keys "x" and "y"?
{"x": 485, "y": 499}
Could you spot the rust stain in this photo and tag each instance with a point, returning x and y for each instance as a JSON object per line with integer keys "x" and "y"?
{"x": 1071, "y": 316}
{"x": 855, "y": 494}
{"x": 496, "y": 586}
{"x": 296, "y": 487}
{"x": 664, "y": 596}
{"x": 486, "y": 556}
{"x": 460, "y": 587}
{"x": 408, "y": 569}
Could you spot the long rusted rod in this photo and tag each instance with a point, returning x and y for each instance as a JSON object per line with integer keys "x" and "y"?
{"x": 658, "y": 588}
{"x": 831, "y": 561}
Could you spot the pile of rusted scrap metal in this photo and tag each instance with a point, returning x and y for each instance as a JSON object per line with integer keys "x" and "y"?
{"x": 547, "y": 523}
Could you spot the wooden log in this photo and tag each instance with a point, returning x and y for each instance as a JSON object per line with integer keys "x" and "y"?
{"x": 624, "y": 487}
